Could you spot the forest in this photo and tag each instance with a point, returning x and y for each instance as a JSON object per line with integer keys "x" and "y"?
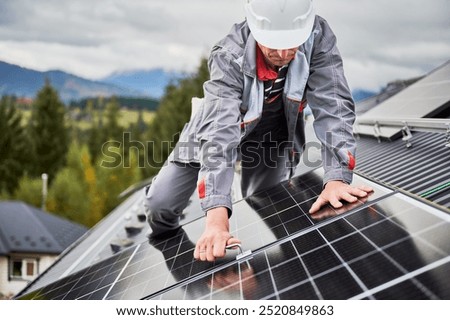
{"x": 75, "y": 146}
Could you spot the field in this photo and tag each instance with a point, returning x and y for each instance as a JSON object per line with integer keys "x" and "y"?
{"x": 126, "y": 118}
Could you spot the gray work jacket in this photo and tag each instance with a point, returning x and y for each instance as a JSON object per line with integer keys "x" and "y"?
{"x": 233, "y": 102}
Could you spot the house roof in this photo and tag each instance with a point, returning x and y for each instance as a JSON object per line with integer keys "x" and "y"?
{"x": 26, "y": 229}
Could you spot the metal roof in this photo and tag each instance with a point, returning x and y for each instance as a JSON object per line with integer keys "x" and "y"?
{"x": 422, "y": 169}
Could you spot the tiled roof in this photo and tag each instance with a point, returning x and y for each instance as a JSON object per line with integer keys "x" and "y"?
{"x": 26, "y": 229}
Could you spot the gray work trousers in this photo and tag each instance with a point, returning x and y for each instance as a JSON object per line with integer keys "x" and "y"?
{"x": 262, "y": 166}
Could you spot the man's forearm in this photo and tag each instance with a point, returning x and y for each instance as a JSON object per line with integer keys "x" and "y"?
{"x": 217, "y": 218}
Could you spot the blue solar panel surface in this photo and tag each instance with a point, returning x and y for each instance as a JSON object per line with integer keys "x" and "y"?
{"x": 386, "y": 246}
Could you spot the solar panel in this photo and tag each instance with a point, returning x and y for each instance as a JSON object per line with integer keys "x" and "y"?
{"x": 368, "y": 250}
{"x": 89, "y": 283}
{"x": 424, "y": 98}
{"x": 365, "y": 254}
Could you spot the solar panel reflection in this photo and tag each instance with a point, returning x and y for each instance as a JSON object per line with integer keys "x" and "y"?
{"x": 373, "y": 249}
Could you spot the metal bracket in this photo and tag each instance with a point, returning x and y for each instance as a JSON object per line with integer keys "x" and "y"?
{"x": 447, "y": 136}
{"x": 242, "y": 254}
{"x": 377, "y": 131}
{"x": 407, "y": 135}
{"x": 356, "y": 131}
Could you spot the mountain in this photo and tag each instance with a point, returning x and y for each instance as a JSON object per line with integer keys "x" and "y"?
{"x": 152, "y": 82}
{"x": 23, "y": 82}
{"x": 361, "y": 94}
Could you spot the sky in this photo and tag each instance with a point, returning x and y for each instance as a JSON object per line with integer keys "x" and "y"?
{"x": 380, "y": 40}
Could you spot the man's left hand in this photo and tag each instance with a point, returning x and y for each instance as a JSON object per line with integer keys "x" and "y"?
{"x": 335, "y": 191}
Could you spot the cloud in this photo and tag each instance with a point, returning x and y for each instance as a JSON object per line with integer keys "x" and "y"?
{"x": 379, "y": 40}
{"x": 385, "y": 40}
{"x": 83, "y": 23}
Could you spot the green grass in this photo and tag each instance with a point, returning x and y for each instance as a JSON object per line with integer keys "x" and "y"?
{"x": 126, "y": 118}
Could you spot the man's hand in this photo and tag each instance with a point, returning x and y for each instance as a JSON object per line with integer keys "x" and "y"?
{"x": 216, "y": 236}
{"x": 335, "y": 191}
{"x": 329, "y": 212}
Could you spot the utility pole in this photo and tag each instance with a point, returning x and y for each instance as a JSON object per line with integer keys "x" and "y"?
{"x": 44, "y": 190}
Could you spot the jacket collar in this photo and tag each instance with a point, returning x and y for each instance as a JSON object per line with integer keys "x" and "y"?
{"x": 249, "y": 58}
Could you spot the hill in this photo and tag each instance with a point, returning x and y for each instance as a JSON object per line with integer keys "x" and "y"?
{"x": 361, "y": 94}
{"x": 151, "y": 82}
{"x": 23, "y": 82}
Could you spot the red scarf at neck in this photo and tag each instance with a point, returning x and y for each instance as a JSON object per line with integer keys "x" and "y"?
{"x": 263, "y": 71}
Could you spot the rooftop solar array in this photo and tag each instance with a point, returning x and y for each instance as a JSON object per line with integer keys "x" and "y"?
{"x": 425, "y": 98}
{"x": 386, "y": 246}
{"x": 391, "y": 89}
{"x": 390, "y": 245}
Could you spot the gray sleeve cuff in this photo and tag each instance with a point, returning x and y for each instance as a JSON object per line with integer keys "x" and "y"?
{"x": 215, "y": 201}
{"x": 341, "y": 174}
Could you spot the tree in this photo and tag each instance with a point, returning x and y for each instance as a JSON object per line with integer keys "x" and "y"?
{"x": 14, "y": 146}
{"x": 112, "y": 115}
{"x": 172, "y": 114}
{"x": 96, "y": 136}
{"x": 95, "y": 195}
{"x": 48, "y": 133}
{"x": 68, "y": 192}
{"x": 138, "y": 128}
{"x": 29, "y": 190}
{"x": 74, "y": 193}
{"x": 115, "y": 178}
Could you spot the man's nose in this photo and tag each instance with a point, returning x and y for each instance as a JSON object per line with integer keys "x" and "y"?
{"x": 283, "y": 53}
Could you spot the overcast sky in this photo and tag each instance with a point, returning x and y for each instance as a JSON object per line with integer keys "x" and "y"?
{"x": 380, "y": 40}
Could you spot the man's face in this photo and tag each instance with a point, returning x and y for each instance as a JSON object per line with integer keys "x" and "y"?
{"x": 278, "y": 58}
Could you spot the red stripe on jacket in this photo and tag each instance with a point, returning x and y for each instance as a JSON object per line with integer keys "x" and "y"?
{"x": 201, "y": 189}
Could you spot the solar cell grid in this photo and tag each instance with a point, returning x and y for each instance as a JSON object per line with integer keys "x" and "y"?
{"x": 422, "y": 99}
{"x": 364, "y": 250}
{"x": 341, "y": 261}
{"x": 84, "y": 282}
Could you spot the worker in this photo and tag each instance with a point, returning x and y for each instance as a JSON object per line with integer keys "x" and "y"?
{"x": 263, "y": 74}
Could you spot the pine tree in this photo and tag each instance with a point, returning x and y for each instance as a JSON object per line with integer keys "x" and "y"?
{"x": 96, "y": 135}
{"x": 48, "y": 133}
{"x": 94, "y": 195}
{"x": 112, "y": 114}
{"x": 14, "y": 146}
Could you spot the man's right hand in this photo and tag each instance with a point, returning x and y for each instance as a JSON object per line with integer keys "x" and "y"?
{"x": 216, "y": 236}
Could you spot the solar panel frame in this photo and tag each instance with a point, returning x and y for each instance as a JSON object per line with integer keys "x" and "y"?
{"x": 424, "y": 98}
{"x": 388, "y": 271}
{"x": 318, "y": 252}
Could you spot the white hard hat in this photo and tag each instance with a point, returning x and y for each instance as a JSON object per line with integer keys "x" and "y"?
{"x": 280, "y": 24}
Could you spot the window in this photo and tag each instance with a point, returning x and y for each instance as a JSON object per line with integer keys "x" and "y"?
{"x": 23, "y": 268}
